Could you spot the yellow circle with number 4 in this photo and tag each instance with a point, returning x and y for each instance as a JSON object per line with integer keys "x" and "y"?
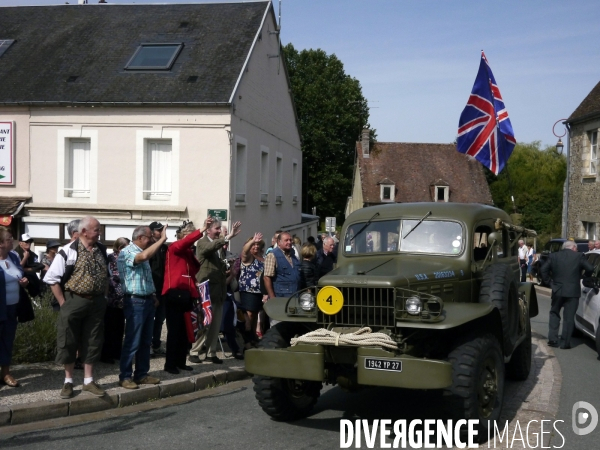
{"x": 330, "y": 300}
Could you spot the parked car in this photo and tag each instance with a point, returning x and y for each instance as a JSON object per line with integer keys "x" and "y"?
{"x": 587, "y": 317}
{"x": 553, "y": 246}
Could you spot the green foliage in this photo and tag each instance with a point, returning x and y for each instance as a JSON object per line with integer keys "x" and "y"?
{"x": 537, "y": 177}
{"x": 36, "y": 340}
{"x": 331, "y": 113}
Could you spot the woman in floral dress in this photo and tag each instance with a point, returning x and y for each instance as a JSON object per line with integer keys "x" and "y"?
{"x": 251, "y": 269}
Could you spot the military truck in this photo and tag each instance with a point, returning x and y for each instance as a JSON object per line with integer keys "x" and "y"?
{"x": 439, "y": 281}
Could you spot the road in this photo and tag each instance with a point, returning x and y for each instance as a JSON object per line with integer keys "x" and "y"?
{"x": 581, "y": 379}
{"x": 232, "y": 419}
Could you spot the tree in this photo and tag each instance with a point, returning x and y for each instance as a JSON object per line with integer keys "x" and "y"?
{"x": 331, "y": 113}
{"x": 537, "y": 177}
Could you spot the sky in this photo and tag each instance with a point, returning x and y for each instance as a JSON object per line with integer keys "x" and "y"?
{"x": 416, "y": 60}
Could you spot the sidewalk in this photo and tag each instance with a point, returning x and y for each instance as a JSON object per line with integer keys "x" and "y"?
{"x": 38, "y": 397}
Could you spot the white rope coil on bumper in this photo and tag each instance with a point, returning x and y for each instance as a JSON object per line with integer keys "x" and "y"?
{"x": 361, "y": 338}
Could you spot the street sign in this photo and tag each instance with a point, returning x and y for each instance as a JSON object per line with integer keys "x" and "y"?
{"x": 330, "y": 224}
{"x": 220, "y": 214}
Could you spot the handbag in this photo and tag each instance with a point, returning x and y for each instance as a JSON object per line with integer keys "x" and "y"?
{"x": 24, "y": 307}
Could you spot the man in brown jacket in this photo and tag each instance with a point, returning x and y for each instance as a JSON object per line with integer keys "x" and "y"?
{"x": 210, "y": 253}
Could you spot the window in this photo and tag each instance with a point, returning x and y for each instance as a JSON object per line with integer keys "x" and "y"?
{"x": 593, "y": 152}
{"x": 295, "y": 182}
{"x": 264, "y": 175}
{"x": 240, "y": 173}
{"x": 154, "y": 56}
{"x": 279, "y": 174}
{"x": 4, "y": 44}
{"x": 408, "y": 235}
{"x": 589, "y": 229}
{"x": 157, "y": 176}
{"x": 77, "y": 169}
{"x": 441, "y": 193}
{"x": 387, "y": 192}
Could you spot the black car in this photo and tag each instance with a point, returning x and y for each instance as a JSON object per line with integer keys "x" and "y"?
{"x": 553, "y": 246}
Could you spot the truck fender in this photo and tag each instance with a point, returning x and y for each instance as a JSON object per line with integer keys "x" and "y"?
{"x": 530, "y": 297}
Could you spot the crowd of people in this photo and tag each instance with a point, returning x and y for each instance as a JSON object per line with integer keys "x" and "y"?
{"x": 113, "y": 305}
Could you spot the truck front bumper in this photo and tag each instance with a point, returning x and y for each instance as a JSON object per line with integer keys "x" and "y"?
{"x": 308, "y": 362}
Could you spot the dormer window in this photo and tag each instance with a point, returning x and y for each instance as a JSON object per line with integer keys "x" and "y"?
{"x": 387, "y": 192}
{"x": 442, "y": 193}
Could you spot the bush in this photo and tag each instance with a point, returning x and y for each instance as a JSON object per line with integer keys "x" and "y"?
{"x": 36, "y": 340}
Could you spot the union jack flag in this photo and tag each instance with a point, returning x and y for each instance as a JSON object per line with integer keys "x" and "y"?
{"x": 484, "y": 129}
{"x": 206, "y": 303}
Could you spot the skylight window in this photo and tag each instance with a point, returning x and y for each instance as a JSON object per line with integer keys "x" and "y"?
{"x": 154, "y": 56}
{"x": 4, "y": 44}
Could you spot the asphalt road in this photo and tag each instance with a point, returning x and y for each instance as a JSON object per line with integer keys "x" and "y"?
{"x": 232, "y": 420}
{"x": 580, "y": 369}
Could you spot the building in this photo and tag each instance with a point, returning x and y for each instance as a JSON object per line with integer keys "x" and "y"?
{"x": 582, "y": 205}
{"x": 135, "y": 113}
{"x": 395, "y": 172}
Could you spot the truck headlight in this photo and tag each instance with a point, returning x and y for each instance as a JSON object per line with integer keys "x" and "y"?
{"x": 307, "y": 301}
{"x": 413, "y": 305}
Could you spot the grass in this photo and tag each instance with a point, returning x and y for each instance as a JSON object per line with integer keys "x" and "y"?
{"x": 35, "y": 341}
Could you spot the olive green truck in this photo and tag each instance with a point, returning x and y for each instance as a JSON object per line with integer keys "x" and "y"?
{"x": 437, "y": 285}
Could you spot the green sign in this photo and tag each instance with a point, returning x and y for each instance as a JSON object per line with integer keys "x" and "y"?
{"x": 220, "y": 214}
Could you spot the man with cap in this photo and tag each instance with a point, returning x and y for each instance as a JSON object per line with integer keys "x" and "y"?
{"x": 157, "y": 264}
{"x": 30, "y": 264}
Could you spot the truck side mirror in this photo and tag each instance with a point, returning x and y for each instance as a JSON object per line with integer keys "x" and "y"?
{"x": 497, "y": 237}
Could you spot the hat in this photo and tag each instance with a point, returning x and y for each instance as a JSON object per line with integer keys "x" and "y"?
{"x": 26, "y": 238}
{"x": 52, "y": 243}
{"x": 156, "y": 226}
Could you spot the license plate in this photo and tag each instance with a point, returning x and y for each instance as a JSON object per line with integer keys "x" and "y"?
{"x": 383, "y": 364}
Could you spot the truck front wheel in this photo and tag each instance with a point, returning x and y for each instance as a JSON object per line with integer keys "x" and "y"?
{"x": 281, "y": 398}
{"x": 477, "y": 382}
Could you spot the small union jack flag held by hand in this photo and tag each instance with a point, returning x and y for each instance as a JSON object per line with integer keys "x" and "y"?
{"x": 484, "y": 129}
{"x": 206, "y": 303}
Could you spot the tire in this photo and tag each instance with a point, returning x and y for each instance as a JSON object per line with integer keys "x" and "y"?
{"x": 499, "y": 287}
{"x": 477, "y": 389}
{"x": 519, "y": 366}
{"x": 285, "y": 399}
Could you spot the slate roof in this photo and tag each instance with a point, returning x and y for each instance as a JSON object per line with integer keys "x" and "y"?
{"x": 95, "y": 42}
{"x": 415, "y": 169}
{"x": 589, "y": 107}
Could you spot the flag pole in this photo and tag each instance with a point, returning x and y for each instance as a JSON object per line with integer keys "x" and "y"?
{"x": 502, "y": 149}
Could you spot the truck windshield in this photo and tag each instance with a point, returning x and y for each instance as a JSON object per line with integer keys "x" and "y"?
{"x": 431, "y": 236}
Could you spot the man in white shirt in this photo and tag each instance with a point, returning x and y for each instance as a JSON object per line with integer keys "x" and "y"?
{"x": 523, "y": 260}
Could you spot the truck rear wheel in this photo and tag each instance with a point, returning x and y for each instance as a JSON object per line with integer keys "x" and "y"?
{"x": 500, "y": 288}
{"x": 477, "y": 382}
{"x": 281, "y": 398}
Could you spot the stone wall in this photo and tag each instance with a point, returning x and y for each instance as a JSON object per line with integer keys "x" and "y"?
{"x": 584, "y": 188}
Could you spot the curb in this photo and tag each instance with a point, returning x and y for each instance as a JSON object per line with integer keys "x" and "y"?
{"x": 83, "y": 403}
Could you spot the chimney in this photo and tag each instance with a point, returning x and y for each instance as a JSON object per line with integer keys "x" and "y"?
{"x": 365, "y": 142}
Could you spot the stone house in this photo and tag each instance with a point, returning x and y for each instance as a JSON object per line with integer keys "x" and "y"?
{"x": 135, "y": 113}
{"x": 582, "y": 205}
{"x": 388, "y": 172}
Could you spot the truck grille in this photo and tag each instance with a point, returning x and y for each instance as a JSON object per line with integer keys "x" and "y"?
{"x": 363, "y": 307}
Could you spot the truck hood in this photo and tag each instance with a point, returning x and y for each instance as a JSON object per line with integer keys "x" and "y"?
{"x": 392, "y": 271}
